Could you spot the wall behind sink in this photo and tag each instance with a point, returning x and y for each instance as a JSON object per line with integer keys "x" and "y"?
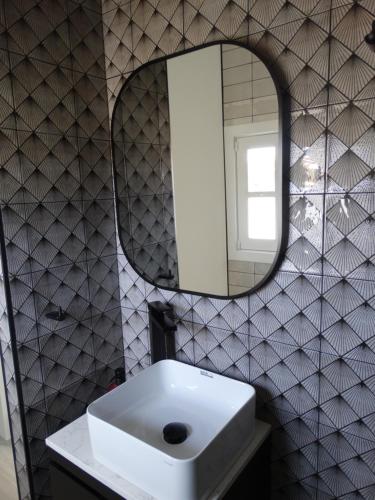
{"x": 305, "y": 340}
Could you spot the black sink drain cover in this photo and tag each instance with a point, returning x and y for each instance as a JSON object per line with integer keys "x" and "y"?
{"x": 175, "y": 433}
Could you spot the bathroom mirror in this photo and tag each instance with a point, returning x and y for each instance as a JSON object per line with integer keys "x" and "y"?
{"x": 198, "y": 161}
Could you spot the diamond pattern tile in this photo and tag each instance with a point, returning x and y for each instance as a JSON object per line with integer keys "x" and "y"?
{"x": 348, "y": 332}
{"x": 221, "y": 351}
{"x": 346, "y": 397}
{"x": 36, "y": 235}
{"x": 86, "y": 39}
{"x": 349, "y": 249}
{"x": 304, "y": 340}
{"x": 345, "y": 467}
{"x": 304, "y": 250}
{"x": 43, "y": 95}
{"x": 285, "y": 376}
{"x": 56, "y": 201}
{"x": 38, "y": 29}
{"x": 95, "y": 169}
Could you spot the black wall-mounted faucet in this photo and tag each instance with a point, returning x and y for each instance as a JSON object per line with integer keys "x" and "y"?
{"x": 162, "y": 331}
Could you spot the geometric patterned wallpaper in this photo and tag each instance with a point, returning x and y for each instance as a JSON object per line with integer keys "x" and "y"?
{"x": 56, "y": 202}
{"x": 142, "y": 166}
{"x": 306, "y": 339}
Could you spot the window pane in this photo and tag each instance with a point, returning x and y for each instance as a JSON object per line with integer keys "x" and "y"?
{"x": 261, "y": 218}
{"x": 261, "y": 169}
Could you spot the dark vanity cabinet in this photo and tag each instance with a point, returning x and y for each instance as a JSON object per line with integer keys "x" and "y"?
{"x": 68, "y": 482}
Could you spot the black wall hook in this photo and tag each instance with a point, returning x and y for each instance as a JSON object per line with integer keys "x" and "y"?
{"x": 58, "y": 315}
{"x": 370, "y": 38}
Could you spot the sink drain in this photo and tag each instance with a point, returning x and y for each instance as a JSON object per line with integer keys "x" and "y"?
{"x": 175, "y": 433}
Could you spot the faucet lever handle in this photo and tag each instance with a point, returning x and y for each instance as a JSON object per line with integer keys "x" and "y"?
{"x": 170, "y": 319}
{"x": 160, "y": 307}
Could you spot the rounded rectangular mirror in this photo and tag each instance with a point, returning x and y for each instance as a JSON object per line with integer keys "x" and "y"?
{"x": 198, "y": 163}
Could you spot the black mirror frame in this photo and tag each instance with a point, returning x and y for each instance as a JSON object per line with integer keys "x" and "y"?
{"x": 284, "y": 123}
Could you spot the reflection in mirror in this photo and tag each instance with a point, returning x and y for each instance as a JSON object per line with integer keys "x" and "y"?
{"x": 198, "y": 167}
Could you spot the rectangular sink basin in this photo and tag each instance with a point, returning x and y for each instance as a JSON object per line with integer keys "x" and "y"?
{"x": 217, "y": 413}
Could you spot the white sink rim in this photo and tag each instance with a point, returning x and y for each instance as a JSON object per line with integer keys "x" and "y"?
{"x": 91, "y": 408}
{"x": 219, "y": 410}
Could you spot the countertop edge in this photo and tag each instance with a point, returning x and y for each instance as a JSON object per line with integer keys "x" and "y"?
{"x": 73, "y": 443}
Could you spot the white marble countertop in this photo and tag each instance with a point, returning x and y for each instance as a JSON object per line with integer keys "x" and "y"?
{"x": 73, "y": 443}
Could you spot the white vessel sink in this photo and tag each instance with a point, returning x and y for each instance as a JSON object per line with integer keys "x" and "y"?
{"x": 126, "y": 429}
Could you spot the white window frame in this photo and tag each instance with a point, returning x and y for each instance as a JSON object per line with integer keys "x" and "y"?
{"x": 232, "y": 133}
{"x": 241, "y": 145}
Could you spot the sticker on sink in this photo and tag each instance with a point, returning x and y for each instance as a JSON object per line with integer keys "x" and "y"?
{"x": 207, "y": 374}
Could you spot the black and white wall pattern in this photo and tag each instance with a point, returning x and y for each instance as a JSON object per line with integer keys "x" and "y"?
{"x": 56, "y": 202}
